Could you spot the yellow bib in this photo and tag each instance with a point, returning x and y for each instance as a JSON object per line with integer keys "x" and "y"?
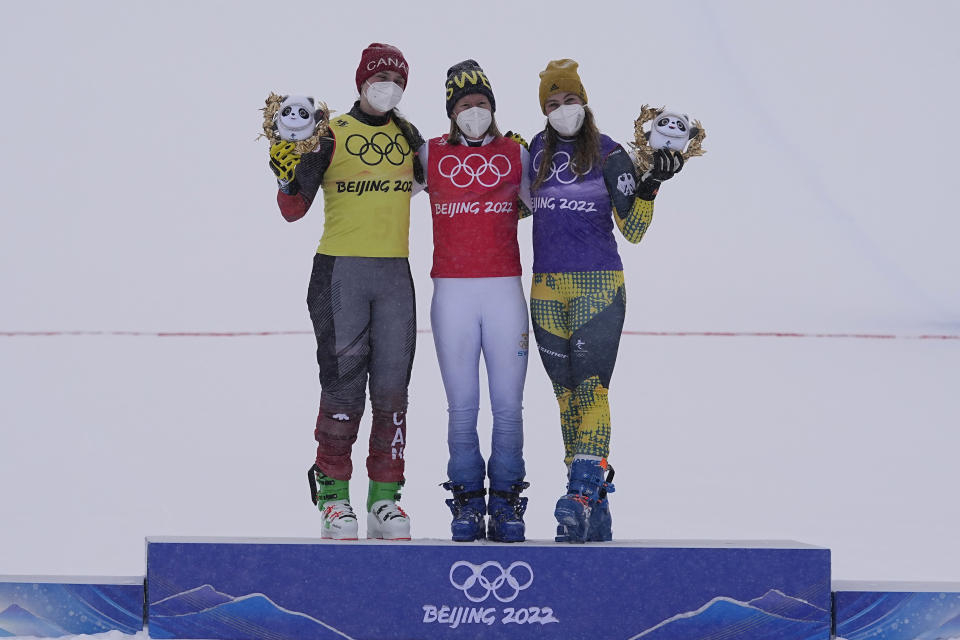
{"x": 366, "y": 191}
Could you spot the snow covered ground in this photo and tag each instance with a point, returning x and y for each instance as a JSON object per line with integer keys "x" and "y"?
{"x": 845, "y": 443}
{"x": 135, "y": 197}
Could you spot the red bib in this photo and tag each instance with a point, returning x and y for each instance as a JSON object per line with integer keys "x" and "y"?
{"x": 474, "y": 196}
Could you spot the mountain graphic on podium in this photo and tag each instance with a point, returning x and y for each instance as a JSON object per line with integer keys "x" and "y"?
{"x": 778, "y": 603}
{"x": 199, "y": 612}
{"x": 773, "y": 615}
{"x": 17, "y": 621}
{"x": 949, "y": 629}
{"x": 193, "y": 601}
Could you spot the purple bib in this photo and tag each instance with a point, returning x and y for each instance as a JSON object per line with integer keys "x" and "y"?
{"x": 572, "y": 217}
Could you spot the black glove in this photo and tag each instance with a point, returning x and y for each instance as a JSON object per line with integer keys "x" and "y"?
{"x": 516, "y": 137}
{"x": 666, "y": 162}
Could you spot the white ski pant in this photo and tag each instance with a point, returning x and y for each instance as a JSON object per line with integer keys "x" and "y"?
{"x": 470, "y": 317}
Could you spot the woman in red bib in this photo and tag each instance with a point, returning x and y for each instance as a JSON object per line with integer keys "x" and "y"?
{"x": 478, "y": 184}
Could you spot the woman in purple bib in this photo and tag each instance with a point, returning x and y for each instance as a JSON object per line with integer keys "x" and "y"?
{"x": 582, "y": 182}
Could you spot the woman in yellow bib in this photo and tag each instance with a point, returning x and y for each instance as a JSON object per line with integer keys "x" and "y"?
{"x": 360, "y": 297}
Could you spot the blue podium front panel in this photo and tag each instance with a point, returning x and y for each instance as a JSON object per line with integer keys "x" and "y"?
{"x": 367, "y": 590}
{"x": 897, "y": 610}
{"x": 52, "y": 606}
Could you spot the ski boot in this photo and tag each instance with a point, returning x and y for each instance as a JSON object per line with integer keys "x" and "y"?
{"x": 468, "y": 508}
{"x": 573, "y": 510}
{"x": 386, "y": 520}
{"x": 506, "y": 509}
{"x": 601, "y": 524}
{"x": 338, "y": 521}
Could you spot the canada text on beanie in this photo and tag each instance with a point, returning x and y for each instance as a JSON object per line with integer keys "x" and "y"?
{"x": 465, "y": 78}
{"x": 379, "y": 57}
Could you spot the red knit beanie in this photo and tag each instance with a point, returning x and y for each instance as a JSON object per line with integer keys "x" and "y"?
{"x": 378, "y": 57}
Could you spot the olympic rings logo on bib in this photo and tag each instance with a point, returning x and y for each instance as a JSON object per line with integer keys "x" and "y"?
{"x": 479, "y": 582}
{"x": 475, "y": 167}
{"x": 378, "y": 148}
{"x": 562, "y": 170}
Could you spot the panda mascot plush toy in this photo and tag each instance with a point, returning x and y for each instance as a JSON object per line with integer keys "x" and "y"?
{"x": 671, "y": 131}
{"x": 668, "y": 130}
{"x": 295, "y": 120}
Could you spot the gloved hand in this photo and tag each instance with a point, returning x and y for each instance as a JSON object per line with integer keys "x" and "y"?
{"x": 516, "y": 137}
{"x": 284, "y": 160}
{"x": 666, "y": 162}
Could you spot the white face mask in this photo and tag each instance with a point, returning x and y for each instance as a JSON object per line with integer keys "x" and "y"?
{"x": 474, "y": 121}
{"x": 383, "y": 96}
{"x": 567, "y": 119}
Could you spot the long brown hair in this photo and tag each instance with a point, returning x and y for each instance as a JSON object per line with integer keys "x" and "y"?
{"x": 413, "y": 138}
{"x": 456, "y": 136}
{"x": 586, "y": 149}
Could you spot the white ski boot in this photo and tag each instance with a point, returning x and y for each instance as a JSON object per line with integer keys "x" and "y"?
{"x": 386, "y": 520}
{"x": 338, "y": 521}
{"x": 332, "y": 498}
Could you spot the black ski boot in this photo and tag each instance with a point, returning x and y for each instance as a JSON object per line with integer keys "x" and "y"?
{"x": 506, "y": 509}
{"x": 601, "y": 524}
{"x": 468, "y": 508}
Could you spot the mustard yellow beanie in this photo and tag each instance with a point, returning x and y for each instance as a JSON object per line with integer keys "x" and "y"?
{"x": 560, "y": 75}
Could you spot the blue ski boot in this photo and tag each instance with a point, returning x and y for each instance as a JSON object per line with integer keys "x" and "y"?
{"x": 601, "y": 524}
{"x": 506, "y": 509}
{"x": 468, "y": 508}
{"x": 573, "y": 510}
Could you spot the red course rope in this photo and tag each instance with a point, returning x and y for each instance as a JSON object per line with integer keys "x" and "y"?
{"x": 708, "y": 334}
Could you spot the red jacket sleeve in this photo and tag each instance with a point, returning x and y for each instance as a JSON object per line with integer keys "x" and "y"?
{"x": 293, "y": 207}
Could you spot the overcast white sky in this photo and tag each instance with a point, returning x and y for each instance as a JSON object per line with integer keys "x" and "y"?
{"x": 134, "y": 196}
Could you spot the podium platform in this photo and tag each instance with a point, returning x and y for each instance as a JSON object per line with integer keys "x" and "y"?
{"x": 236, "y": 589}
{"x": 896, "y": 610}
{"x": 52, "y": 606}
